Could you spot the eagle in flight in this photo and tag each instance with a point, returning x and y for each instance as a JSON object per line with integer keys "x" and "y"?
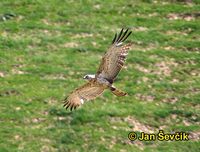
{"x": 111, "y": 64}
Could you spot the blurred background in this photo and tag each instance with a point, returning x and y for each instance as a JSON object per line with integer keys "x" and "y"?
{"x": 47, "y": 46}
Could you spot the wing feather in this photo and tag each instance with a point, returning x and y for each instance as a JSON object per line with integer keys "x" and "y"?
{"x": 123, "y": 35}
{"x": 114, "y": 59}
{"x": 88, "y": 91}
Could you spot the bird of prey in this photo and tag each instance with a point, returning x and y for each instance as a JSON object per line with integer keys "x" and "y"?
{"x": 111, "y": 64}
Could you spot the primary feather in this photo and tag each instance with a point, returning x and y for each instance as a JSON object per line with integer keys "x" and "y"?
{"x": 86, "y": 92}
{"x": 113, "y": 61}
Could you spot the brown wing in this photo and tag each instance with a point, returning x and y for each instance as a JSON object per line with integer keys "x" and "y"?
{"x": 84, "y": 93}
{"x": 113, "y": 60}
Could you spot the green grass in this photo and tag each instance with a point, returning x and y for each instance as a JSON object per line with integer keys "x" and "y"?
{"x": 48, "y": 47}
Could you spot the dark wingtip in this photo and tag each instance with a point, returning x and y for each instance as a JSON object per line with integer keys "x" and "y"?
{"x": 122, "y": 36}
{"x": 68, "y": 105}
{"x": 114, "y": 39}
{"x": 126, "y": 36}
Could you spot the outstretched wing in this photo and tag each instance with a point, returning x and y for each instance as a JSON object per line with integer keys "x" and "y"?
{"x": 84, "y": 93}
{"x": 113, "y": 60}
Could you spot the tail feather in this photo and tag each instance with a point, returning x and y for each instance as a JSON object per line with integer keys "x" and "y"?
{"x": 117, "y": 92}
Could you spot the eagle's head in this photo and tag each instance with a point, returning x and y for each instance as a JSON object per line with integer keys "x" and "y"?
{"x": 89, "y": 76}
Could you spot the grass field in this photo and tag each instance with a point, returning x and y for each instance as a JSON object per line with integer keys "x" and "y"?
{"x": 46, "y": 47}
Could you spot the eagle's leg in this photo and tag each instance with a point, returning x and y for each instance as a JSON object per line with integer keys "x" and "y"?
{"x": 109, "y": 85}
{"x": 117, "y": 92}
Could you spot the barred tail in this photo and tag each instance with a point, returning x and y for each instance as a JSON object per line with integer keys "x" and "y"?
{"x": 117, "y": 92}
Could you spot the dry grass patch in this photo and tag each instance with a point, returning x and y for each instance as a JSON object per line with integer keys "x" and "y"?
{"x": 148, "y": 98}
{"x": 184, "y": 16}
{"x": 194, "y": 135}
{"x": 162, "y": 68}
{"x": 138, "y": 126}
{"x": 71, "y": 45}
